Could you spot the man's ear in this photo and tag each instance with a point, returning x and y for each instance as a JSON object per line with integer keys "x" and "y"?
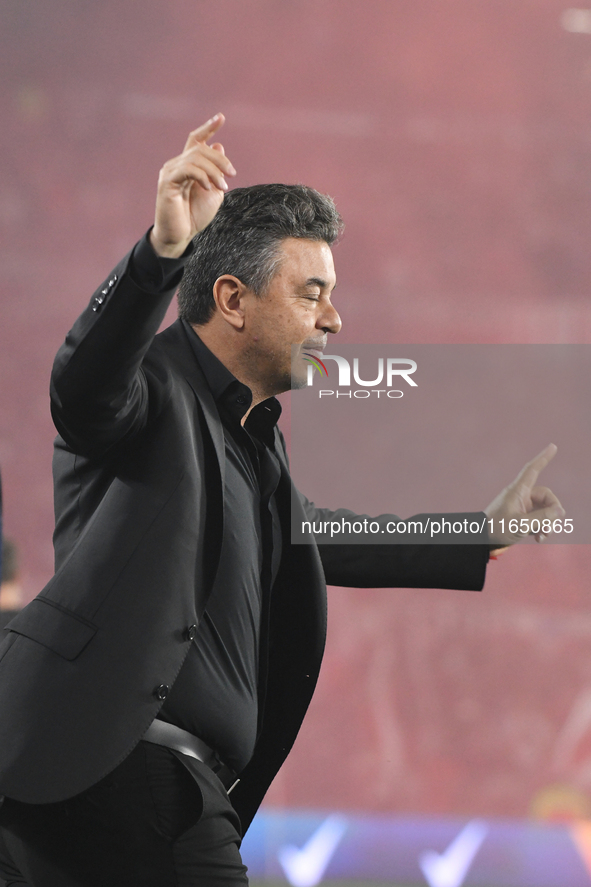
{"x": 229, "y": 293}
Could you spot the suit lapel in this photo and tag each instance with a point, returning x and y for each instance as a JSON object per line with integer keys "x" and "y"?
{"x": 185, "y": 358}
{"x": 178, "y": 347}
{"x": 212, "y": 419}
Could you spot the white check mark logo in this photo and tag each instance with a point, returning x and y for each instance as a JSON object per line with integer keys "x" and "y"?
{"x": 449, "y": 869}
{"x": 305, "y": 867}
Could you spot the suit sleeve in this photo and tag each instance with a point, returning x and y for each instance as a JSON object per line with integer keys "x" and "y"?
{"x": 366, "y": 564}
{"x": 100, "y": 394}
{"x": 387, "y": 565}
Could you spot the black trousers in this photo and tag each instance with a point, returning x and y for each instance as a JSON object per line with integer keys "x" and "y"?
{"x": 158, "y": 820}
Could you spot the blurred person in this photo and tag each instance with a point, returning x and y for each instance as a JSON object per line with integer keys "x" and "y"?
{"x": 11, "y": 591}
{"x": 153, "y": 689}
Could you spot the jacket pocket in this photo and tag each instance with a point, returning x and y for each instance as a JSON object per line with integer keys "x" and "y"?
{"x": 54, "y": 627}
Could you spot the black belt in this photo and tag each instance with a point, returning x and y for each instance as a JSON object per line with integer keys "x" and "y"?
{"x": 161, "y": 733}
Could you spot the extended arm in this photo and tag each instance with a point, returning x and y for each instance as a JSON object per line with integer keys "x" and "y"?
{"x": 362, "y": 551}
{"x": 363, "y": 563}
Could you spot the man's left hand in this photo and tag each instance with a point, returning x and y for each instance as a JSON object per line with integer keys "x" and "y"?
{"x": 524, "y": 503}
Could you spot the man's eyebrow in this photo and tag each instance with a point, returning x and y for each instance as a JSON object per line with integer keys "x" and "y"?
{"x": 317, "y": 281}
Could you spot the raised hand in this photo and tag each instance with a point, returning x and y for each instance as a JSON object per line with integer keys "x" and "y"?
{"x": 190, "y": 190}
{"x": 525, "y": 503}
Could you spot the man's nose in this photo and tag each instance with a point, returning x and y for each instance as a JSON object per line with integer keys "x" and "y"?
{"x": 330, "y": 321}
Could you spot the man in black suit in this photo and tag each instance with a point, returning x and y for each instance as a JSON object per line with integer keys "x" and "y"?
{"x": 152, "y": 690}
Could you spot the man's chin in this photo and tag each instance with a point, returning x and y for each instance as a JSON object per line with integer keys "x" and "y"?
{"x": 287, "y": 382}
{"x": 298, "y": 380}
{"x": 299, "y": 371}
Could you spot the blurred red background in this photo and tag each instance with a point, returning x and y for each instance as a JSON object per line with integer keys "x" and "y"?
{"x": 455, "y": 138}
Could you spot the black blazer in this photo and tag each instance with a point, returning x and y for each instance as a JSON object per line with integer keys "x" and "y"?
{"x": 139, "y": 467}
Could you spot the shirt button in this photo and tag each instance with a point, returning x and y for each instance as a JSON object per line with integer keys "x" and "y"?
{"x": 241, "y": 399}
{"x": 161, "y": 692}
{"x": 191, "y": 632}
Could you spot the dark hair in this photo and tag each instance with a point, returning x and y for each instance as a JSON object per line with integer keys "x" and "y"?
{"x": 244, "y": 240}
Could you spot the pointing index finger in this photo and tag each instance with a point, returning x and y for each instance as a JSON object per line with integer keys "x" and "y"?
{"x": 529, "y": 473}
{"x": 205, "y": 131}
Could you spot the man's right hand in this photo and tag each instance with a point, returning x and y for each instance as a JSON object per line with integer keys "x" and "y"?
{"x": 191, "y": 188}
